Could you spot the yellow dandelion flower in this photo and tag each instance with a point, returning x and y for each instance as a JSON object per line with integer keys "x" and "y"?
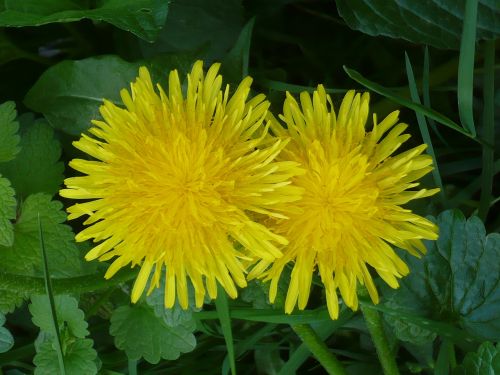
{"x": 350, "y": 214}
{"x": 178, "y": 181}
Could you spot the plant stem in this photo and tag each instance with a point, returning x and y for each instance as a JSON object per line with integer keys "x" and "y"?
{"x": 488, "y": 128}
{"x": 319, "y": 349}
{"x": 373, "y": 321}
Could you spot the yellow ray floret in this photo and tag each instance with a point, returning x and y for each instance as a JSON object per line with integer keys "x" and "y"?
{"x": 350, "y": 216}
{"x": 176, "y": 180}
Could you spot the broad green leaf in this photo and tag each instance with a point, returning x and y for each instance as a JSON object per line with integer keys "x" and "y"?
{"x": 69, "y": 316}
{"x": 36, "y": 168}
{"x": 486, "y": 361}
{"x": 176, "y": 315}
{"x": 70, "y": 93}
{"x": 9, "y": 139}
{"x": 458, "y": 280}
{"x": 7, "y": 212}
{"x": 407, "y": 331}
{"x": 79, "y": 358}
{"x": 23, "y": 257}
{"x": 199, "y": 24}
{"x": 140, "y": 333}
{"x": 143, "y": 18}
{"x": 235, "y": 64}
{"x": 434, "y": 22}
{"x": 256, "y": 293}
{"x": 6, "y": 339}
{"x": 10, "y": 299}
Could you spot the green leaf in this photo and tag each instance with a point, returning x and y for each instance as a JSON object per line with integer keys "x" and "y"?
{"x": 407, "y": 331}
{"x": 7, "y": 212}
{"x": 10, "y": 299}
{"x": 79, "y": 358}
{"x": 143, "y": 18}
{"x": 486, "y": 361}
{"x": 23, "y": 257}
{"x": 458, "y": 280}
{"x": 199, "y": 24}
{"x": 222, "y": 308}
{"x": 176, "y": 315}
{"x": 9, "y": 140}
{"x": 235, "y": 65}
{"x": 70, "y": 93}
{"x": 140, "y": 333}
{"x": 256, "y": 293}
{"x": 6, "y": 339}
{"x": 434, "y": 22}
{"x": 36, "y": 168}
{"x": 69, "y": 316}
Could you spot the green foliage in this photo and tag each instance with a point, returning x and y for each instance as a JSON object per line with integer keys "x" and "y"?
{"x": 36, "y": 168}
{"x": 6, "y": 339}
{"x": 458, "y": 280}
{"x": 486, "y": 361}
{"x": 140, "y": 333}
{"x": 23, "y": 257}
{"x": 69, "y": 316}
{"x": 144, "y": 18}
{"x": 9, "y": 139}
{"x": 79, "y": 358}
{"x": 436, "y": 22}
{"x": 7, "y": 212}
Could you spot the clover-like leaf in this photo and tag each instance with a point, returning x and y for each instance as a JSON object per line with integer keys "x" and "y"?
{"x": 6, "y": 339}
{"x": 458, "y": 280}
{"x": 9, "y": 139}
{"x": 36, "y": 168}
{"x": 69, "y": 316}
{"x": 79, "y": 358}
{"x": 486, "y": 361}
{"x": 140, "y": 333}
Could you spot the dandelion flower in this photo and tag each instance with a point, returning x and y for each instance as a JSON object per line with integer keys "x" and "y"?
{"x": 350, "y": 215}
{"x": 177, "y": 184}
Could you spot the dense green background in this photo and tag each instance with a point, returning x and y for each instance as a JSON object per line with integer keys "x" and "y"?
{"x": 59, "y": 58}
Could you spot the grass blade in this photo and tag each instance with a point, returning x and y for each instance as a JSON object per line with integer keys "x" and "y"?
{"x": 466, "y": 67}
{"x": 418, "y": 108}
{"x": 222, "y": 306}
{"x": 488, "y": 129}
{"x": 50, "y": 294}
{"x": 422, "y": 124}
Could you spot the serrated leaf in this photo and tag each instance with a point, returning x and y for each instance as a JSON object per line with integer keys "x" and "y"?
{"x": 23, "y": 257}
{"x": 6, "y": 339}
{"x": 79, "y": 358}
{"x": 140, "y": 333}
{"x": 7, "y": 212}
{"x": 143, "y": 18}
{"x": 10, "y": 300}
{"x": 486, "y": 361}
{"x": 433, "y": 22}
{"x": 256, "y": 293}
{"x": 458, "y": 280}
{"x": 69, "y": 316}
{"x": 9, "y": 139}
{"x": 409, "y": 332}
{"x": 36, "y": 168}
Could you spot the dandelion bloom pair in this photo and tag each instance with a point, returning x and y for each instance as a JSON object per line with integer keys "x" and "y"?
{"x": 210, "y": 187}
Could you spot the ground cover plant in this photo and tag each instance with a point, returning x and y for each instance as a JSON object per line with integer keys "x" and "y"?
{"x": 163, "y": 213}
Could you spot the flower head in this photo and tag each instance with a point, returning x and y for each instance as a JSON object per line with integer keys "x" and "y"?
{"x": 178, "y": 180}
{"x": 350, "y": 214}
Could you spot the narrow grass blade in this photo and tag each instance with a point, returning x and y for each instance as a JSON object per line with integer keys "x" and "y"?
{"x": 446, "y": 358}
{"x": 418, "y": 108}
{"x": 422, "y": 124}
{"x": 222, "y": 306}
{"x": 488, "y": 129}
{"x": 50, "y": 294}
{"x": 466, "y": 67}
{"x": 426, "y": 94}
{"x": 294, "y": 89}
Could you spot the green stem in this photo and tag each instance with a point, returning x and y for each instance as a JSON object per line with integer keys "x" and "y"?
{"x": 319, "y": 349}
{"x": 373, "y": 321}
{"x": 488, "y": 128}
{"x": 29, "y": 285}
